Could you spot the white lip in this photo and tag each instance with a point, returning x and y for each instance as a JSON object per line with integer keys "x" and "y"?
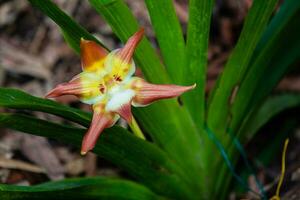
{"x": 119, "y": 98}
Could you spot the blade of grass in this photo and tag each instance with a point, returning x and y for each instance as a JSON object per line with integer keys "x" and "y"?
{"x": 71, "y": 30}
{"x": 277, "y": 52}
{"x": 139, "y": 158}
{"x": 13, "y": 98}
{"x": 79, "y": 188}
{"x": 237, "y": 64}
{"x": 194, "y": 71}
{"x": 173, "y": 128}
{"x": 269, "y": 109}
{"x": 169, "y": 35}
{"x": 228, "y": 83}
{"x": 200, "y": 13}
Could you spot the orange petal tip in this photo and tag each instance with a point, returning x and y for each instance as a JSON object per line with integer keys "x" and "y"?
{"x": 91, "y": 53}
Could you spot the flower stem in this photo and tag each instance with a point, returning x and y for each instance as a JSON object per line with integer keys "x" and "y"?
{"x": 136, "y": 129}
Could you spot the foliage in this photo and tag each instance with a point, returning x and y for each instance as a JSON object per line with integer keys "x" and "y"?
{"x": 182, "y": 162}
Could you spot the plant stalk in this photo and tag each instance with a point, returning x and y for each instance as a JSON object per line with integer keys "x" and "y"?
{"x": 136, "y": 129}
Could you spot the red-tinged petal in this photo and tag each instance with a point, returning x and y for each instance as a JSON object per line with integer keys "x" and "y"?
{"x": 73, "y": 87}
{"x": 125, "y": 112}
{"x": 147, "y": 93}
{"x": 100, "y": 121}
{"x": 92, "y": 55}
{"x": 126, "y": 53}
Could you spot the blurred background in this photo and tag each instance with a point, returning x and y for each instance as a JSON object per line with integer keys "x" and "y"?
{"x": 34, "y": 58}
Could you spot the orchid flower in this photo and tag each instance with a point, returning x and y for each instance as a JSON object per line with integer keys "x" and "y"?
{"x": 107, "y": 83}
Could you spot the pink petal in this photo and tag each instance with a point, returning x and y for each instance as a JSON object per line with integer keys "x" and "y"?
{"x": 100, "y": 121}
{"x": 125, "y": 112}
{"x": 127, "y": 51}
{"x": 147, "y": 93}
{"x": 71, "y": 88}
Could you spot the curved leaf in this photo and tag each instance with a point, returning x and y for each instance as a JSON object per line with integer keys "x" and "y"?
{"x": 71, "y": 30}
{"x": 87, "y": 188}
{"x": 139, "y": 158}
{"x": 278, "y": 49}
{"x": 269, "y": 109}
{"x": 13, "y": 98}
{"x": 228, "y": 83}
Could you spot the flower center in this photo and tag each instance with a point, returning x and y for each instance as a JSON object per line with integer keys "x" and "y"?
{"x": 102, "y": 88}
{"x": 117, "y": 78}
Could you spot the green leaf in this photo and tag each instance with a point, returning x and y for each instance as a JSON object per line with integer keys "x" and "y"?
{"x": 169, "y": 35}
{"x": 71, "y": 30}
{"x": 228, "y": 84}
{"x": 237, "y": 65}
{"x": 173, "y": 129}
{"x": 139, "y": 158}
{"x": 269, "y": 109}
{"x": 200, "y": 13}
{"x": 13, "y": 98}
{"x": 174, "y": 133}
{"x": 278, "y": 49}
{"x": 79, "y": 188}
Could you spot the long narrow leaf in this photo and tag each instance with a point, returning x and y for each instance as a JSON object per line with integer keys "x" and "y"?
{"x": 237, "y": 64}
{"x": 71, "y": 30}
{"x": 140, "y": 159}
{"x": 200, "y": 13}
{"x": 277, "y": 50}
{"x": 228, "y": 84}
{"x": 276, "y": 55}
{"x": 13, "y": 98}
{"x": 194, "y": 71}
{"x": 169, "y": 36}
{"x": 87, "y": 188}
{"x": 269, "y": 109}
